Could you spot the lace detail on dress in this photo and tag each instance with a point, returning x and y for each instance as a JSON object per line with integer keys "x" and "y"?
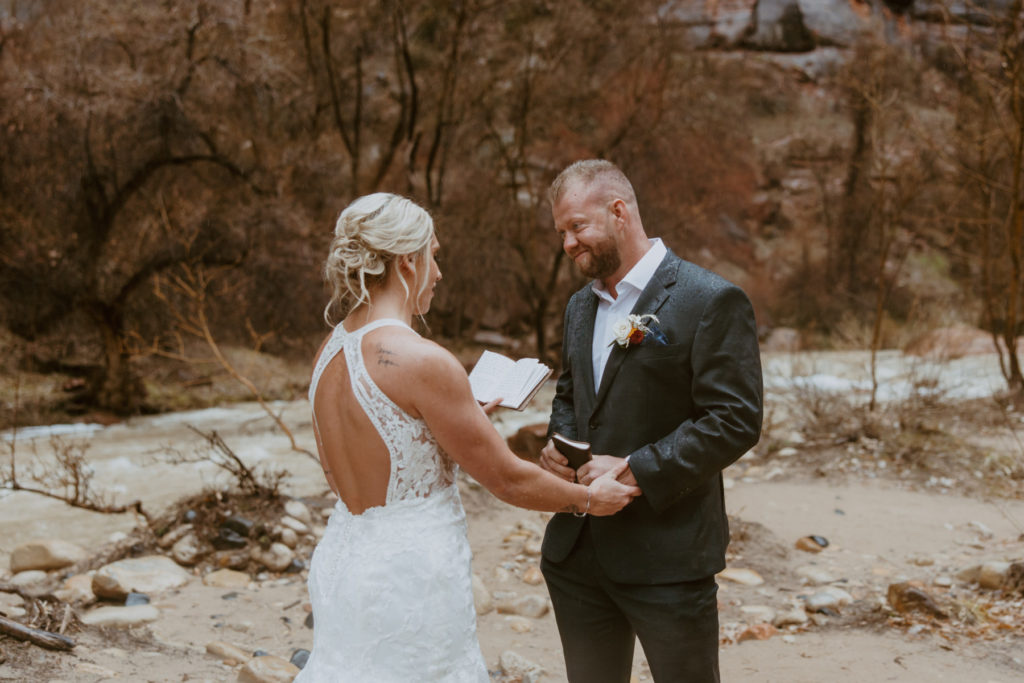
{"x": 419, "y": 467}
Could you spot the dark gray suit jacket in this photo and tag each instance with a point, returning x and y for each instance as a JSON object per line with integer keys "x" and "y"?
{"x": 682, "y": 412}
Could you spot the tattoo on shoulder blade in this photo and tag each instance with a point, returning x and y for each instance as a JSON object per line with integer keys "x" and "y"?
{"x": 386, "y": 356}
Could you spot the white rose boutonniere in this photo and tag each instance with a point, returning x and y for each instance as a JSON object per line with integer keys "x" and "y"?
{"x": 634, "y": 329}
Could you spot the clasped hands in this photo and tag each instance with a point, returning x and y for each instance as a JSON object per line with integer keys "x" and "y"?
{"x": 556, "y": 463}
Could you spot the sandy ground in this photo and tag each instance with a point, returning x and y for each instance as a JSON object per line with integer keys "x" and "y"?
{"x": 880, "y": 531}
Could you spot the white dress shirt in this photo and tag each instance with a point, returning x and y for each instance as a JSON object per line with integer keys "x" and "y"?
{"x": 612, "y": 310}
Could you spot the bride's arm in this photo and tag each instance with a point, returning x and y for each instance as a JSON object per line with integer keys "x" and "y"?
{"x": 442, "y": 395}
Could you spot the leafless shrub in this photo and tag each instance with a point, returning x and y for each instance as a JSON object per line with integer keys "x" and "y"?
{"x": 64, "y": 474}
{"x": 255, "y": 481}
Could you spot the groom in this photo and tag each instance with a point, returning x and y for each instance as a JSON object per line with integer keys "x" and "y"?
{"x": 681, "y": 402}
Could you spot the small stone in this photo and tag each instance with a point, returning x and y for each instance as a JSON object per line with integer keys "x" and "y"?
{"x": 982, "y": 530}
{"x": 223, "y": 650}
{"x": 795, "y": 616}
{"x": 174, "y": 535}
{"x": 812, "y": 544}
{"x": 295, "y": 525}
{"x": 906, "y": 597}
{"x": 534, "y": 606}
{"x": 276, "y": 558}
{"x": 746, "y": 577}
{"x": 515, "y": 665}
{"x": 228, "y": 539}
{"x": 231, "y": 559}
{"x": 308, "y": 623}
{"x": 759, "y": 613}
{"x": 922, "y": 561}
{"x": 186, "y": 550}
{"x": 289, "y": 537}
{"x": 295, "y": 566}
{"x": 519, "y": 624}
{"x": 45, "y": 554}
{"x": 532, "y": 547}
{"x": 787, "y": 452}
{"x": 30, "y": 577}
{"x": 533, "y": 576}
{"x": 267, "y": 669}
{"x": 298, "y": 510}
{"x": 829, "y": 598}
{"x": 502, "y": 575}
{"x": 757, "y": 632}
{"x": 943, "y": 581}
{"x": 134, "y": 598}
{"x": 815, "y": 576}
{"x": 76, "y": 589}
{"x": 482, "y": 598}
{"x": 993, "y": 574}
{"x": 242, "y": 526}
{"x": 121, "y": 616}
{"x": 299, "y": 658}
{"x": 95, "y": 670}
{"x": 10, "y": 601}
{"x": 226, "y": 578}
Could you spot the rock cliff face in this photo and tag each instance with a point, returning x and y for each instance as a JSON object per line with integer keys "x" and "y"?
{"x": 804, "y": 25}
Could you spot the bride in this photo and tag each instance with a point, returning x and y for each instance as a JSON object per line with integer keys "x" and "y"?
{"x": 394, "y": 418}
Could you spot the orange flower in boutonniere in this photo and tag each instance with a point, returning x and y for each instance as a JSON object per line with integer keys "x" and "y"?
{"x": 635, "y": 329}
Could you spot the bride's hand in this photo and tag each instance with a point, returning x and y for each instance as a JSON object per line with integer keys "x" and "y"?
{"x": 608, "y": 495}
{"x": 491, "y": 406}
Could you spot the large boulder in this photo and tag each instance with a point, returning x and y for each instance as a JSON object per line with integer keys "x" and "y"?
{"x": 529, "y": 440}
{"x": 150, "y": 575}
{"x": 45, "y": 554}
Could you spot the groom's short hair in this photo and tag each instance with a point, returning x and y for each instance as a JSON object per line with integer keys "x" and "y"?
{"x": 589, "y": 172}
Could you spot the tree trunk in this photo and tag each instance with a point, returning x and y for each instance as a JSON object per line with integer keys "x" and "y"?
{"x": 115, "y": 387}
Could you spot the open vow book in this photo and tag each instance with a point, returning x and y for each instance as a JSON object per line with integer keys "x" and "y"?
{"x": 514, "y": 381}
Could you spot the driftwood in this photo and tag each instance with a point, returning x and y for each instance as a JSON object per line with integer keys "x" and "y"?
{"x": 51, "y": 641}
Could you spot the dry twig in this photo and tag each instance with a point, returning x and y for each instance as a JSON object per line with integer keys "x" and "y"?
{"x": 45, "y": 639}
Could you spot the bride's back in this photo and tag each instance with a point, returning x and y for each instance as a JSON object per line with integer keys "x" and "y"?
{"x": 356, "y": 457}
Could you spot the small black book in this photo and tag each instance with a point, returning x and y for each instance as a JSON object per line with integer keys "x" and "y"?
{"x": 578, "y": 452}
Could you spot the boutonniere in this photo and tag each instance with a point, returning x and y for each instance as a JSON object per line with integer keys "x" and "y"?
{"x": 635, "y": 329}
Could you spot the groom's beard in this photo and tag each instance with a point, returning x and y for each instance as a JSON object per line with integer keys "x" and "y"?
{"x": 603, "y": 261}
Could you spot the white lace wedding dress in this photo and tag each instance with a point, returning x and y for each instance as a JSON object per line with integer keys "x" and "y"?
{"x": 391, "y": 588}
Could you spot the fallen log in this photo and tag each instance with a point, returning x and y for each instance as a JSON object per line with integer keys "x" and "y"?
{"x": 51, "y": 641}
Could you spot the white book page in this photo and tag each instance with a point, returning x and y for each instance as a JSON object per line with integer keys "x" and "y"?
{"x": 487, "y": 375}
{"x": 495, "y": 376}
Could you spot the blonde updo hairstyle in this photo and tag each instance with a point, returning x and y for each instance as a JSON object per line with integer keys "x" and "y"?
{"x": 369, "y": 235}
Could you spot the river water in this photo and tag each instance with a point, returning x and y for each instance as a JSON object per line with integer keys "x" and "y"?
{"x": 129, "y": 460}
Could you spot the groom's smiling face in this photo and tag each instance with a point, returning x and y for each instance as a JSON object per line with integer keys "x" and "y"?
{"x": 587, "y": 229}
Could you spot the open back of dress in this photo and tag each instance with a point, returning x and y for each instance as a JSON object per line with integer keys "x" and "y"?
{"x": 391, "y": 588}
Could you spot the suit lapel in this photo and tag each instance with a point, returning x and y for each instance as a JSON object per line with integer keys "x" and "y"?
{"x": 584, "y": 336}
{"x": 655, "y": 294}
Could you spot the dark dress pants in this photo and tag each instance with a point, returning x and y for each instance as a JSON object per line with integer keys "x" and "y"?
{"x": 599, "y": 621}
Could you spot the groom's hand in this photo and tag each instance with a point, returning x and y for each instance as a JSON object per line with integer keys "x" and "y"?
{"x": 599, "y": 464}
{"x": 556, "y": 463}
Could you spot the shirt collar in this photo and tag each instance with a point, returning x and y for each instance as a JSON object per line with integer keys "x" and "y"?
{"x": 640, "y": 274}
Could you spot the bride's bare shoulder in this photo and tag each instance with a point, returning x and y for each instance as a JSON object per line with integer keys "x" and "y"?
{"x": 402, "y": 348}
